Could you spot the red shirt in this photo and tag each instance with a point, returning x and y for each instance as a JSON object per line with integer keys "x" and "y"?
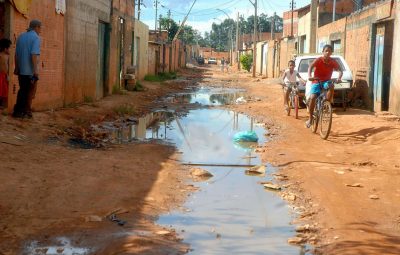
{"x": 324, "y": 70}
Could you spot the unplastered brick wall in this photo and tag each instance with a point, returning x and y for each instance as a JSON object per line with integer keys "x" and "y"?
{"x": 50, "y": 86}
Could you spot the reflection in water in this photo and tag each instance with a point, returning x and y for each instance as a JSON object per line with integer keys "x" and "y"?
{"x": 232, "y": 213}
{"x": 208, "y": 96}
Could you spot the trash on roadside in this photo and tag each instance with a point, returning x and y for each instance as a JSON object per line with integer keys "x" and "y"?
{"x": 240, "y": 100}
{"x": 256, "y": 170}
{"x": 114, "y": 218}
{"x": 271, "y": 186}
{"x": 245, "y": 136}
{"x": 374, "y": 197}
{"x": 355, "y": 185}
{"x": 93, "y": 218}
{"x": 199, "y": 174}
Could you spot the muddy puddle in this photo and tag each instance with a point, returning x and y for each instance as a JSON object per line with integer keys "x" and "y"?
{"x": 231, "y": 213}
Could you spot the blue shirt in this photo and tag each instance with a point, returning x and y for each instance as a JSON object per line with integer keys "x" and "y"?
{"x": 28, "y": 44}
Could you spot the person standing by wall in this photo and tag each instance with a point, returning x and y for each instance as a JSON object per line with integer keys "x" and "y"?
{"x": 4, "y": 57}
{"x": 27, "y": 68}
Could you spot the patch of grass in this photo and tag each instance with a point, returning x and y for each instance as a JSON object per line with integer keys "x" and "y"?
{"x": 160, "y": 77}
{"x": 125, "y": 109}
{"x": 116, "y": 90}
{"x": 138, "y": 86}
{"x": 88, "y": 99}
{"x": 71, "y": 105}
{"x": 80, "y": 122}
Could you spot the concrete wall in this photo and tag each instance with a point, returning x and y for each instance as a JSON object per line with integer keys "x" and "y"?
{"x": 153, "y": 51}
{"x": 51, "y": 84}
{"x": 121, "y": 41}
{"x": 394, "y": 101}
{"x": 332, "y": 32}
{"x": 259, "y": 65}
{"x": 81, "y": 55}
{"x": 287, "y": 51}
{"x": 358, "y": 51}
{"x": 141, "y": 55}
{"x": 304, "y": 29}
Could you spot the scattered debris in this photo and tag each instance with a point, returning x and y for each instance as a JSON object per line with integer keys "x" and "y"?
{"x": 114, "y": 218}
{"x": 374, "y": 197}
{"x": 364, "y": 163}
{"x": 305, "y": 228}
{"x": 271, "y": 186}
{"x": 163, "y": 232}
{"x": 289, "y": 196}
{"x": 355, "y": 185}
{"x": 296, "y": 240}
{"x": 240, "y": 100}
{"x": 199, "y": 174}
{"x": 256, "y": 170}
{"x": 93, "y": 218}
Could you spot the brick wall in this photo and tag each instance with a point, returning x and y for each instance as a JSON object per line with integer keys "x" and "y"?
{"x": 329, "y": 33}
{"x": 82, "y": 51}
{"x": 358, "y": 50}
{"x": 287, "y": 51}
{"x": 50, "y": 87}
{"x": 122, "y": 9}
{"x": 394, "y": 100}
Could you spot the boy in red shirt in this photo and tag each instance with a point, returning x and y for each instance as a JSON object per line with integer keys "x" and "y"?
{"x": 324, "y": 67}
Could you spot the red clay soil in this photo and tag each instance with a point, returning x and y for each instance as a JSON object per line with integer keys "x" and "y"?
{"x": 50, "y": 189}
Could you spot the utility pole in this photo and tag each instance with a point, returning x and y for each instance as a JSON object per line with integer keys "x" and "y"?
{"x": 273, "y": 27}
{"x": 155, "y": 20}
{"x": 334, "y": 11}
{"x": 291, "y": 24}
{"x": 313, "y": 26}
{"x": 254, "y": 37}
{"x": 237, "y": 42}
{"x": 138, "y": 11}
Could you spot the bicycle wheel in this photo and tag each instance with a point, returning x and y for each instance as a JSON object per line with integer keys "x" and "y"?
{"x": 296, "y": 106}
{"x": 290, "y": 104}
{"x": 314, "y": 124}
{"x": 325, "y": 119}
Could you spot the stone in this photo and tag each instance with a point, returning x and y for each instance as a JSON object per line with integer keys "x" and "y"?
{"x": 271, "y": 186}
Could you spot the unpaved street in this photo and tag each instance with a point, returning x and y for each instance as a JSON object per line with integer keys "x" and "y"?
{"x": 346, "y": 187}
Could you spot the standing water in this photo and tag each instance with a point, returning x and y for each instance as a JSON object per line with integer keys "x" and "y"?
{"x": 231, "y": 213}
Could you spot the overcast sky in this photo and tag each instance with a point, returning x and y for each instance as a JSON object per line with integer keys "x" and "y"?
{"x": 205, "y": 12}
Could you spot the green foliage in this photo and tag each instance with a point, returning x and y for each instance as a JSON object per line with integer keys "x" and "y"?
{"x": 160, "y": 77}
{"x": 88, "y": 99}
{"x": 116, "y": 90}
{"x": 138, "y": 86}
{"x": 246, "y": 61}
{"x": 125, "y": 109}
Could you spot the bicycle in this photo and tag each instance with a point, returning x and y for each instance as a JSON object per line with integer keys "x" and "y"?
{"x": 293, "y": 101}
{"x": 322, "y": 114}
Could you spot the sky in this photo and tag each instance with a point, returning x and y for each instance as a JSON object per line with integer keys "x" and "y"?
{"x": 205, "y": 12}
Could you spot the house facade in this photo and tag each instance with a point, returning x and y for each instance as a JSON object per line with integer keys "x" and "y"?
{"x": 50, "y": 91}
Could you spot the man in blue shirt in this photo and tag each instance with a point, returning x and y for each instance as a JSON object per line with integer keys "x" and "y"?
{"x": 27, "y": 54}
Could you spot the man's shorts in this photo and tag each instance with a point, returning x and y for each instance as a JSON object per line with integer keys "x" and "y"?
{"x": 316, "y": 87}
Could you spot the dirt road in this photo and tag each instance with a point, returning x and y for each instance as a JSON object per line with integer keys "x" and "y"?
{"x": 52, "y": 189}
{"x": 347, "y": 185}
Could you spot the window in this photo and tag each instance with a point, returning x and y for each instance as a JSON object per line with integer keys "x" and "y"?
{"x": 337, "y": 46}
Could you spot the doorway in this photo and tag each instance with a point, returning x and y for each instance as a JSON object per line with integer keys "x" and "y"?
{"x": 102, "y": 62}
{"x": 382, "y": 65}
{"x": 121, "y": 48}
{"x": 5, "y": 33}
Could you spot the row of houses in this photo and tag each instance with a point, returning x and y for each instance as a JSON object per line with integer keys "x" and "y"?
{"x": 89, "y": 48}
{"x": 365, "y": 32}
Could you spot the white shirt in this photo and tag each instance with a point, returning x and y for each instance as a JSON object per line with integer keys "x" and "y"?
{"x": 290, "y": 77}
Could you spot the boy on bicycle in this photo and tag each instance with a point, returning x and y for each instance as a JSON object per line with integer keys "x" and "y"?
{"x": 324, "y": 67}
{"x": 289, "y": 77}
